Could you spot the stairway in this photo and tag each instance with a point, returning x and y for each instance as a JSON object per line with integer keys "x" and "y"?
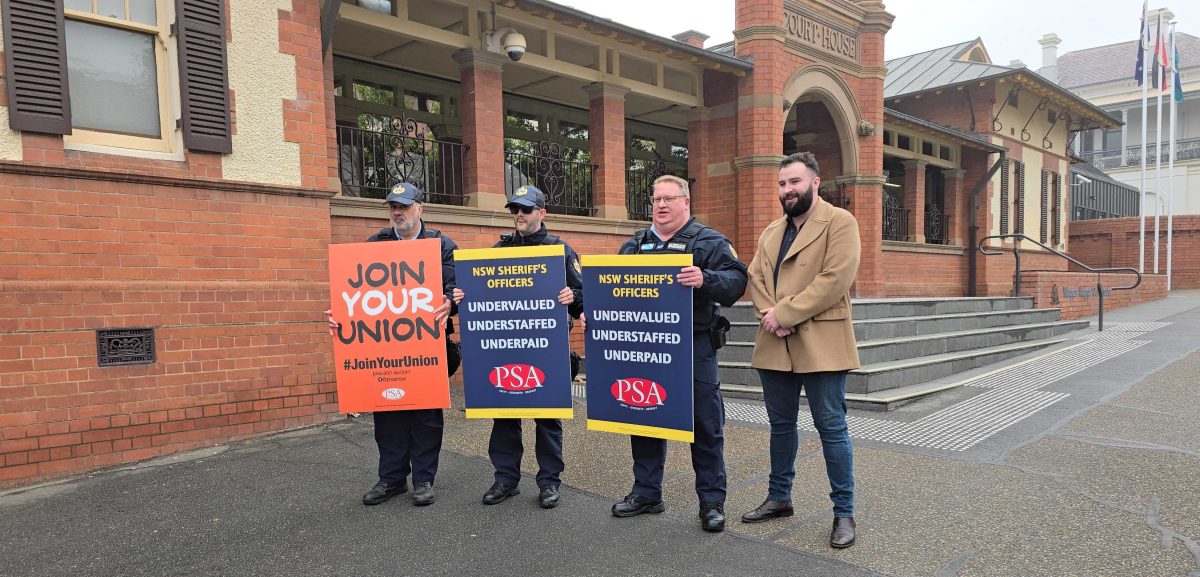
{"x": 905, "y": 343}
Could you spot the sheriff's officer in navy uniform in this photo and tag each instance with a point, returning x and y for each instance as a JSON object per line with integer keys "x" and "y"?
{"x": 410, "y": 441}
{"x": 718, "y": 279}
{"x": 528, "y": 207}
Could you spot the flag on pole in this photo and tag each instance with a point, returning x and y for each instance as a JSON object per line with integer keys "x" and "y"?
{"x": 1139, "y": 73}
{"x": 1175, "y": 68}
{"x": 1156, "y": 67}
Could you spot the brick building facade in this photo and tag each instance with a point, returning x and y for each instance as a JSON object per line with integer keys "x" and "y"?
{"x": 212, "y": 228}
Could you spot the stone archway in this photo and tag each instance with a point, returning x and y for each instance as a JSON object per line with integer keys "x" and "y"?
{"x": 821, "y": 84}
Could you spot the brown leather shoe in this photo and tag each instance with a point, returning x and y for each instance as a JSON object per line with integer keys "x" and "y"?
{"x": 842, "y": 535}
{"x": 769, "y": 510}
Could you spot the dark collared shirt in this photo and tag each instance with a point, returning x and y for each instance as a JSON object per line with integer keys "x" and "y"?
{"x": 789, "y": 236}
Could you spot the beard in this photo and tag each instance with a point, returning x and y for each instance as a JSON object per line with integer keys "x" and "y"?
{"x": 801, "y": 206}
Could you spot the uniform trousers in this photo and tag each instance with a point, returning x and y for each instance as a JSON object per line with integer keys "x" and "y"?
{"x": 409, "y": 442}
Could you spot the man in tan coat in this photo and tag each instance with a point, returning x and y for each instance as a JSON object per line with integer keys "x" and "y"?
{"x": 800, "y": 284}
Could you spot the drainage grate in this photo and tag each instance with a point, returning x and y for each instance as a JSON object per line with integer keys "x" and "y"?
{"x": 124, "y": 347}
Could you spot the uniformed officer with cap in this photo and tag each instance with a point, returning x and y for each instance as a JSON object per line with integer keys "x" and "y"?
{"x": 410, "y": 441}
{"x": 528, "y": 207}
{"x": 718, "y": 279}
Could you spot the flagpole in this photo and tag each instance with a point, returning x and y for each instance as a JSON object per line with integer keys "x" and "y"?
{"x": 1142, "y": 188}
{"x": 1158, "y": 139}
{"x": 1171, "y": 162}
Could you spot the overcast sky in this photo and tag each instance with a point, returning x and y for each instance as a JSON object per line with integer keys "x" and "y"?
{"x": 1010, "y": 29}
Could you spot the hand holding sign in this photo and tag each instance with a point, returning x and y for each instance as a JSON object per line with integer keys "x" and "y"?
{"x": 691, "y": 276}
{"x": 390, "y": 343}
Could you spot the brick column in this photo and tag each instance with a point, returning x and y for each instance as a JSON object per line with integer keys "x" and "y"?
{"x": 914, "y": 199}
{"x": 865, "y": 189}
{"x": 865, "y": 193}
{"x": 606, "y": 137}
{"x": 482, "y": 109}
{"x": 956, "y": 203}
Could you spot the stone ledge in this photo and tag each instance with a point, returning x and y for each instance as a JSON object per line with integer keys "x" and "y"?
{"x": 355, "y": 207}
{"x": 898, "y": 246}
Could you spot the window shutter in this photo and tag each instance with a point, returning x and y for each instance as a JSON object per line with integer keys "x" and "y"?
{"x": 1045, "y": 214}
{"x": 1004, "y": 197}
{"x": 35, "y": 58}
{"x": 204, "y": 75}
{"x": 1019, "y": 225}
{"x": 1057, "y": 209}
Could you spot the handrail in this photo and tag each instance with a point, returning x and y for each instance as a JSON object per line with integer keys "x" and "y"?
{"x": 1017, "y": 276}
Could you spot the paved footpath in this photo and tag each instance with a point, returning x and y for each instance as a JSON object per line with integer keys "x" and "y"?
{"x": 1102, "y": 479}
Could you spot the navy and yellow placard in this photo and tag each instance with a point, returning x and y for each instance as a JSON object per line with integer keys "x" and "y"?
{"x": 515, "y": 344}
{"x": 639, "y": 346}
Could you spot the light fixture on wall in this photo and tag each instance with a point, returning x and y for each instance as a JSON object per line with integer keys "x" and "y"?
{"x": 887, "y": 184}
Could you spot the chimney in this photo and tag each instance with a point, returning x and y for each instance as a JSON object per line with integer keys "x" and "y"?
{"x": 1050, "y": 44}
{"x": 1017, "y": 64}
{"x": 1152, "y": 18}
{"x": 692, "y": 38}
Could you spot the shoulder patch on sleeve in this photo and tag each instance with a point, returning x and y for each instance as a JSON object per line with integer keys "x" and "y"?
{"x": 575, "y": 263}
{"x": 731, "y": 249}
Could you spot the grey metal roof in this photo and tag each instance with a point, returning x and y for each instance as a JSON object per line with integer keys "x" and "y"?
{"x": 934, "y": 68}
{"x": 1094, "y": 173}
{"x": 976, "y": 140}
{"x": 1115, "y": 62}
{"x": 725, "y": 48}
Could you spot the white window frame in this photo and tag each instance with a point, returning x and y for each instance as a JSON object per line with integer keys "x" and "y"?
{"x": 165, "y": 57}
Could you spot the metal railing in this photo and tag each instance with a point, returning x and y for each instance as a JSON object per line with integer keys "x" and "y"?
{"x": 371, "y": 162}
{"x": 895, "y": 218}
{"x": 937, "y": 225}
{"x": 567, "y": 184}
{"x": 1188, "y": 149}
{"x": 1017, "y": 272}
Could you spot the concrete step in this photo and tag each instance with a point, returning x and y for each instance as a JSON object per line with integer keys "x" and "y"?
{"x": 894, "y": 327}
{"x": 891, "y": 349}
{"x": 863, "y": 309}
{"x": 882, "y": 376}
{"x": 909, "y": 347}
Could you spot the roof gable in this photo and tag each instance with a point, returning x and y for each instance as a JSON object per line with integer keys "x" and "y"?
{"x": 939, "y": 67}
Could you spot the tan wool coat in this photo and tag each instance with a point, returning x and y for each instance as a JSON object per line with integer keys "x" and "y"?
{"x": 811, "y": 295}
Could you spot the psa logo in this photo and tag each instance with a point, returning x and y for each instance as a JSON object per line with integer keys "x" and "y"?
{"x": 393, "y": 394}
{"x": 642, "y": 394}
{"x": 517, "y": 379}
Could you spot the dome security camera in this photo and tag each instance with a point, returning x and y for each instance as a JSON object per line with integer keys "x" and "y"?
{"x": 506, "y": 41}
{"x": 514, "y": 45}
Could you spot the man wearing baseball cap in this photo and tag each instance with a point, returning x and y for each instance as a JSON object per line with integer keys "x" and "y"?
{"x": 410, "y": 441}
{"x": 528, "y": 207}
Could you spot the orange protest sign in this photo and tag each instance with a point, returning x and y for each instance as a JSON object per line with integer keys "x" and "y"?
{"x": 389, "y": 351}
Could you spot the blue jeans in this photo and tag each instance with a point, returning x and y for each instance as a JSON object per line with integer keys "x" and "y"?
{"x": 826, "y": 394}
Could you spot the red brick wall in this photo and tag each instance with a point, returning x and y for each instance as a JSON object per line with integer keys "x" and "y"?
{"x": 1114, "y": 243}
{"x": 923, "y": 274}
{"x": 233, "y": 278}
{"x": 235, "y": 304}
{"x": 1076, "y": 293}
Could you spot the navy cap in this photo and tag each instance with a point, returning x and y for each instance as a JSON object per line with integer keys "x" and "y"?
{"x": 527, "y": 195}
{"x": 406, "y": 194}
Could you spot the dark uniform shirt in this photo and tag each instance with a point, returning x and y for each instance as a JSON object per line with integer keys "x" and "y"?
{"x": 448, "y": 248}
{"x": 725, "y": 276}
{"x": 543, "y": 237}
